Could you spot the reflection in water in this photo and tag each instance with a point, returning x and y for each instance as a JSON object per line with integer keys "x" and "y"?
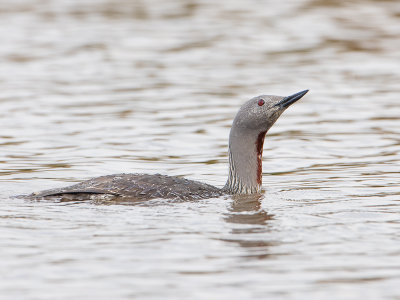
{"x": 246, "y": 210}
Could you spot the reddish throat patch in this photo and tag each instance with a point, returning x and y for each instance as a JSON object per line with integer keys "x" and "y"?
{"x": 259, "y": 148}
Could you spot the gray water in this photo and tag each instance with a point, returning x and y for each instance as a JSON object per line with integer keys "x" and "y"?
{"x": 89, "y": 88}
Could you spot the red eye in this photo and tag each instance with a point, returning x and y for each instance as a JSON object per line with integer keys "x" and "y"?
{"x": 261, "y": 102}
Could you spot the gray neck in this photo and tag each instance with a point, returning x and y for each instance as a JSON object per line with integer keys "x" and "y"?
{"x": 245, "y": 161}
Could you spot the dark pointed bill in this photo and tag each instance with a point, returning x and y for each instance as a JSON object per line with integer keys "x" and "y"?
{"x": 285, "y": 102}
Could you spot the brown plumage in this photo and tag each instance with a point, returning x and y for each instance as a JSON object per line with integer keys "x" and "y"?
{"x": 135, "y": 186}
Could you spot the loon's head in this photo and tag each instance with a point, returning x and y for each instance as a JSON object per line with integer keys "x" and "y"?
{"x": 246, "y": 140}
{"x": 259, "y": 113}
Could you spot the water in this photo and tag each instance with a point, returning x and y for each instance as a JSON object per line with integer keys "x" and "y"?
{"x": 91, "y": 88}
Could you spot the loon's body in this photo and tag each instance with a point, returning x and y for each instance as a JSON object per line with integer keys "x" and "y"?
{"x": 136, "y": 186}
{"x": 246, "y": 141}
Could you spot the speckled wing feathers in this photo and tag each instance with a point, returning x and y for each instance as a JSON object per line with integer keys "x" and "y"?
{"x": 138, "y": 186}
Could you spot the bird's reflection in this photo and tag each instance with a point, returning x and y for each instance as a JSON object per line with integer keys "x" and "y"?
{"x": 246, "y": 210}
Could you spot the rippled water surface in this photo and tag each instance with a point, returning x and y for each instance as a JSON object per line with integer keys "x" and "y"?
{"x": 90, "y": 88}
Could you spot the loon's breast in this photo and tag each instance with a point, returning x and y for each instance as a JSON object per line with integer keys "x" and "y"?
{"x": 138, "y": 187}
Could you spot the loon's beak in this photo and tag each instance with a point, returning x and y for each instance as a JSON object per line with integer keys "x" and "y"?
{"x": 287, "y": 101}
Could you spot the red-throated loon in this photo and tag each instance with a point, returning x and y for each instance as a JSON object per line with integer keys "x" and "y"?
{"x": 246, "y": 140}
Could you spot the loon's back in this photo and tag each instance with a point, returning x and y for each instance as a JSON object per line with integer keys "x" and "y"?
{"x": 136, "y": 186}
